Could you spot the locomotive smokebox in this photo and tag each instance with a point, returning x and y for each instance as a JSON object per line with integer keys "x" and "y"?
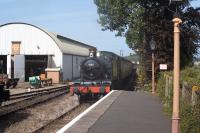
{"x": 91, "y": 69}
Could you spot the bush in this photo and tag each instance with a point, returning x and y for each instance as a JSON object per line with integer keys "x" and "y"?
{"x": 189, "y": 114}
{"x": 191, "y": 75}
{"x": 164, "y": 91}
{"x": 141, "y": 78}
{"x": 190, "y": 118}
{"x": 148, "y": 87}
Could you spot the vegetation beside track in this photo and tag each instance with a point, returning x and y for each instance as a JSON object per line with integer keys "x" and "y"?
{"x": 189, "y": 97}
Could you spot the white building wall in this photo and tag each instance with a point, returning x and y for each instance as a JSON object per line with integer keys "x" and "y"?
{"x": 19, "y": 67}
{"x": 71, "y": 66}
{"x": 33, "y": 42}
{"x": 67, "y": 67}
{"x": 76, "y": 65}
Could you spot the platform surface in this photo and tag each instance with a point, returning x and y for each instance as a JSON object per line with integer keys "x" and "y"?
{"x": 125, "y": 112}
{"x": 133, "y": 112}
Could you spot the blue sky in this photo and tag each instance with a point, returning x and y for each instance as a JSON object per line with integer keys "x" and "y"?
{"x": 76, "y": 19}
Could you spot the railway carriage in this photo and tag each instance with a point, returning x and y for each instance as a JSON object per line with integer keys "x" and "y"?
{"x": 101, "y": 73}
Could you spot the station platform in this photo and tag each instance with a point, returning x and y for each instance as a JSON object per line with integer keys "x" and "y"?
{"x": 123, "y": 112}
{"x": 23, "y": 87}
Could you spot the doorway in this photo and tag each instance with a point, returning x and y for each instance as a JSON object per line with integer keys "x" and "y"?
{"x": 35, "y": 65}
{"x": 3, "y": 64}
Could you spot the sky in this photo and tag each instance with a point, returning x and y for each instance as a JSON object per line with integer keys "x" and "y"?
{"x": 75, "y": 19}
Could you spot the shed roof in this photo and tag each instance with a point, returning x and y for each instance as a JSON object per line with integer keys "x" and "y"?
{"x": 66, "y": 45}
{"x": 69, "y": 46}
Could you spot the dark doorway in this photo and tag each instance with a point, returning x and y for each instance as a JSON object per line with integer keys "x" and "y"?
{"x": 35, "y": 65}
{"x": 12, "y": 66}
{"x": 3, "y": 64}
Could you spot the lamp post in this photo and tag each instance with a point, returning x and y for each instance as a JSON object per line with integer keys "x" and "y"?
{"x": 175, "y": 115}
{"x": 176, "y": 86}
{"x": 153, "y": 45}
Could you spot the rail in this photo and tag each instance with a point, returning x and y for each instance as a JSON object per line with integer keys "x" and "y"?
{"x": 31, "y": 99}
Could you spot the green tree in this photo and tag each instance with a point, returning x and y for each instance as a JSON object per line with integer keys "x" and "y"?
{"x": 141, "y": 20}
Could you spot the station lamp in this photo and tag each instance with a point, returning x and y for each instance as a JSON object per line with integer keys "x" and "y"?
{"x": 153, "y": 44}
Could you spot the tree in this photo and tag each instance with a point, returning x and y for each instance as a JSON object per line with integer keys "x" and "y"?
{"x": 140, "y": 20}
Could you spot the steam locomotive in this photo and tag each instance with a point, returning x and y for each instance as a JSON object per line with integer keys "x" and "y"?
{"x": 102, "y": 72}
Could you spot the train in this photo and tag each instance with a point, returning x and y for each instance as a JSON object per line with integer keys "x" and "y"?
{"x": 102, "y": 72}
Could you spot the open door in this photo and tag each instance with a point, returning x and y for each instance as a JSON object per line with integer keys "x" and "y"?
{"x": 3, "y": 64}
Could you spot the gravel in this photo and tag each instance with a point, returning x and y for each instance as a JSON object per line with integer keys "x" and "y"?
{"x": 62, "y": 121}
{"x": 35, "y": 117}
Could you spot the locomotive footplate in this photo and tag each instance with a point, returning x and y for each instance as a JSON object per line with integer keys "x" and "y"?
{"x": 84, "y": 89}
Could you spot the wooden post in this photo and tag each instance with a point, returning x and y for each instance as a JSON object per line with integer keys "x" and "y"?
{"x": 153, "y": 76}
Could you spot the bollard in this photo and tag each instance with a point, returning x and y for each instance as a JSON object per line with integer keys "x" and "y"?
{"x": 186, "y": 93}
{"x": 195, "y": 92}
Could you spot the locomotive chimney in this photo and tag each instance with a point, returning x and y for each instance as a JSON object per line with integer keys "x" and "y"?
{"x": 92, "y": 53}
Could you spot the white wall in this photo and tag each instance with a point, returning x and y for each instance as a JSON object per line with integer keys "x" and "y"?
{"x": 76, "y": 65}
{"x": 67, "y": 67}
{"x": 19, "y": 67}
{"x": 71, "y": 71}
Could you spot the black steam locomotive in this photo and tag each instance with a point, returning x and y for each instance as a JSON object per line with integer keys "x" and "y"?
{"x": 102, "y": 72}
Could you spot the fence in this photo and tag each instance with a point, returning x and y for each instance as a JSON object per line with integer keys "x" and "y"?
{"x": 189, "y": 102}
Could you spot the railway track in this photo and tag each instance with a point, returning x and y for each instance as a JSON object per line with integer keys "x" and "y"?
{"x": 34, "y": 118}
{"x": 58, "y": 123}
{"x": 33, "y": 93}
{"x": 23, "y": 100}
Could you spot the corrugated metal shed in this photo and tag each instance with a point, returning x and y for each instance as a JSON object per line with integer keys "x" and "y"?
{"x": 66, "y": 45}
{"x": 69, "y": 46}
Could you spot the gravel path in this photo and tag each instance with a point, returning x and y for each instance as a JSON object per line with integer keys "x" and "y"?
{"x": 30, "y": 119}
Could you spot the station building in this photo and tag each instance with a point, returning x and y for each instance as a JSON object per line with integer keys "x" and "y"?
{"x": 27, "y": 50}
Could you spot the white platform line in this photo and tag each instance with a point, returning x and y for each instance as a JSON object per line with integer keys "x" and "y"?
{"x": 62, "y": 130}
